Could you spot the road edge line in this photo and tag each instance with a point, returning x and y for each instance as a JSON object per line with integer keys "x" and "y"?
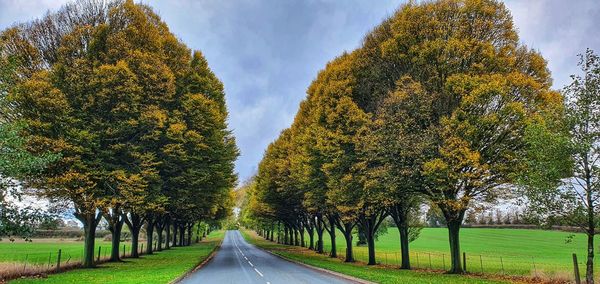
{"x": 334, "y": 273}
{"x": 199, "y": 265}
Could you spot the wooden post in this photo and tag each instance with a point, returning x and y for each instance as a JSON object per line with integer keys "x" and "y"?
{"x": 58, "y": 260}
{"x": 430, "y": 266}
{"x": 502, "y": 263}
{"x": 481, "y": 263}
{"x": 444, "y": 261}
{"x": 99, "y": 249}
{"x": 25, "y": 262}
{"x": 418, "y": 260}
{"x": 576, "y": 268}
{"x": 49, "y": 257}
{"x": 465, "y": 262}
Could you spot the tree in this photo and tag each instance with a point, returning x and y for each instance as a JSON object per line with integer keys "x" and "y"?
{"x": 465, "y": 54}
{"x": 563, "y": 174}
{"x": 397, "y": 143}
{"x": 106, "y": 85}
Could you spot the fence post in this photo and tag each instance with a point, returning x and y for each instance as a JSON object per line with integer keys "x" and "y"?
{"x": 99, "y": 250}
{"x": 58, "y": 260}
{"x": 502, "y": 263}
{"x": 465, "y": 261}
{"x": 481, "y": 263}
{"x": 25, "y": 263}
{"x": 444, "y": 261}
{"x": 49, "y": 257}
{"x": 534, "y": 268}
{"x": 430, "y": 266}
{"x": 576, "y": 268}
{"x": 418, "y": 266}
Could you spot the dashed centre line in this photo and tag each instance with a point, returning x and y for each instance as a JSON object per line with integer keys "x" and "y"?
{"x": 257, "y": 271}
{"x": 261, "y": 275}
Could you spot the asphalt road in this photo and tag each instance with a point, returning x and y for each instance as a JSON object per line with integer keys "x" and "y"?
{"x": 240, "y": 262}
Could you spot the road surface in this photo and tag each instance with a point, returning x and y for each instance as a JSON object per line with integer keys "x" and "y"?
{"x": 240, "y": 262}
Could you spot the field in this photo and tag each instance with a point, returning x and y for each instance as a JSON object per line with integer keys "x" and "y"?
{"x": 161, "y": 267}
{"x": 378, "y": 274}
{"x": 498, "y": 251}
{"x": 42, "y": 251}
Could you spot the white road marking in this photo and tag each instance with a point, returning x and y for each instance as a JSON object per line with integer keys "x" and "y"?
{"x": 251, "y": 263}
{"x": 261, "y": 275}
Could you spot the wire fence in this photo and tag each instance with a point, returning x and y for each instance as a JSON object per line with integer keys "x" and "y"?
{"x": 57, "y": 260}
{"x": 473, "y": 263}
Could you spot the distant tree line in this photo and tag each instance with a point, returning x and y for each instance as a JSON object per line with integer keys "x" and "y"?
{"x": 129, "y": 123}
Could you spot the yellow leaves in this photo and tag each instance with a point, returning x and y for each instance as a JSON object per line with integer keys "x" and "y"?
{"x": 176, "y": 130}
{"x": 154, "y": 117}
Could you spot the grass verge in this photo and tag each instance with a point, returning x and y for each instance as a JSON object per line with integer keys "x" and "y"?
{"x": 161, "y": 267}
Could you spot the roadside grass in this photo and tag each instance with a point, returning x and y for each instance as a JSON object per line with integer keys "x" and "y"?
{"x": 160, "y": 267}
{"x": 378, "y": 273}
{"x": 521, "y": 252}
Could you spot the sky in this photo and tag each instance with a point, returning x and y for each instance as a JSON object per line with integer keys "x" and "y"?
{"x": 267, "y": 52}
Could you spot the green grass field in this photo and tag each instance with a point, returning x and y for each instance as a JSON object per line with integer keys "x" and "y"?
{"x": 378, "y": 274}
{"x": 160, "y": 267}
{"x": 40, "y": 251}
{"x": 499, "y": 251}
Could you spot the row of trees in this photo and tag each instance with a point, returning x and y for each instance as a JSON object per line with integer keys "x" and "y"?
{"x": 436, "y": 107}
{"x": 136, "y": 119}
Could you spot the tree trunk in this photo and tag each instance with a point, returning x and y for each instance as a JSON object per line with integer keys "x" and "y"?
{"x": 320, "y": 229}
{"x": 371, "y": 247}
{"x": 349, "y": 252}
{"x": 404, "y": 249}
{"x": 181, "y": 235}
{"x": 346, "y": 229}
{"x": 370, "y": 224}
{"x": 90, "y": 223}
{"x": 331, "y": 232}
{"x": 116, "y": 241}
{"x": 301, "y": 232}
{"x": 149, "y": 234}
{"x": 591, "y": 231}
{"x": 175, "y": 234}
{"x": 399, "y": 213}
{"x": 135, "y": 240}
{"x": 134, "y": 223}
{"x": 296, "y": 237}
{"x": 453, "y": 236}
{"x": 168, "y": 234}
{"x": 198, "y": 232}
{"x": 189, "y": 230}
{"x": 589, "y": 272}
{"x": 115, "y": 221}
{"x": 311, "y": 237}
{"x": 285, "y": 235}
{"x": 160, "y": 226}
